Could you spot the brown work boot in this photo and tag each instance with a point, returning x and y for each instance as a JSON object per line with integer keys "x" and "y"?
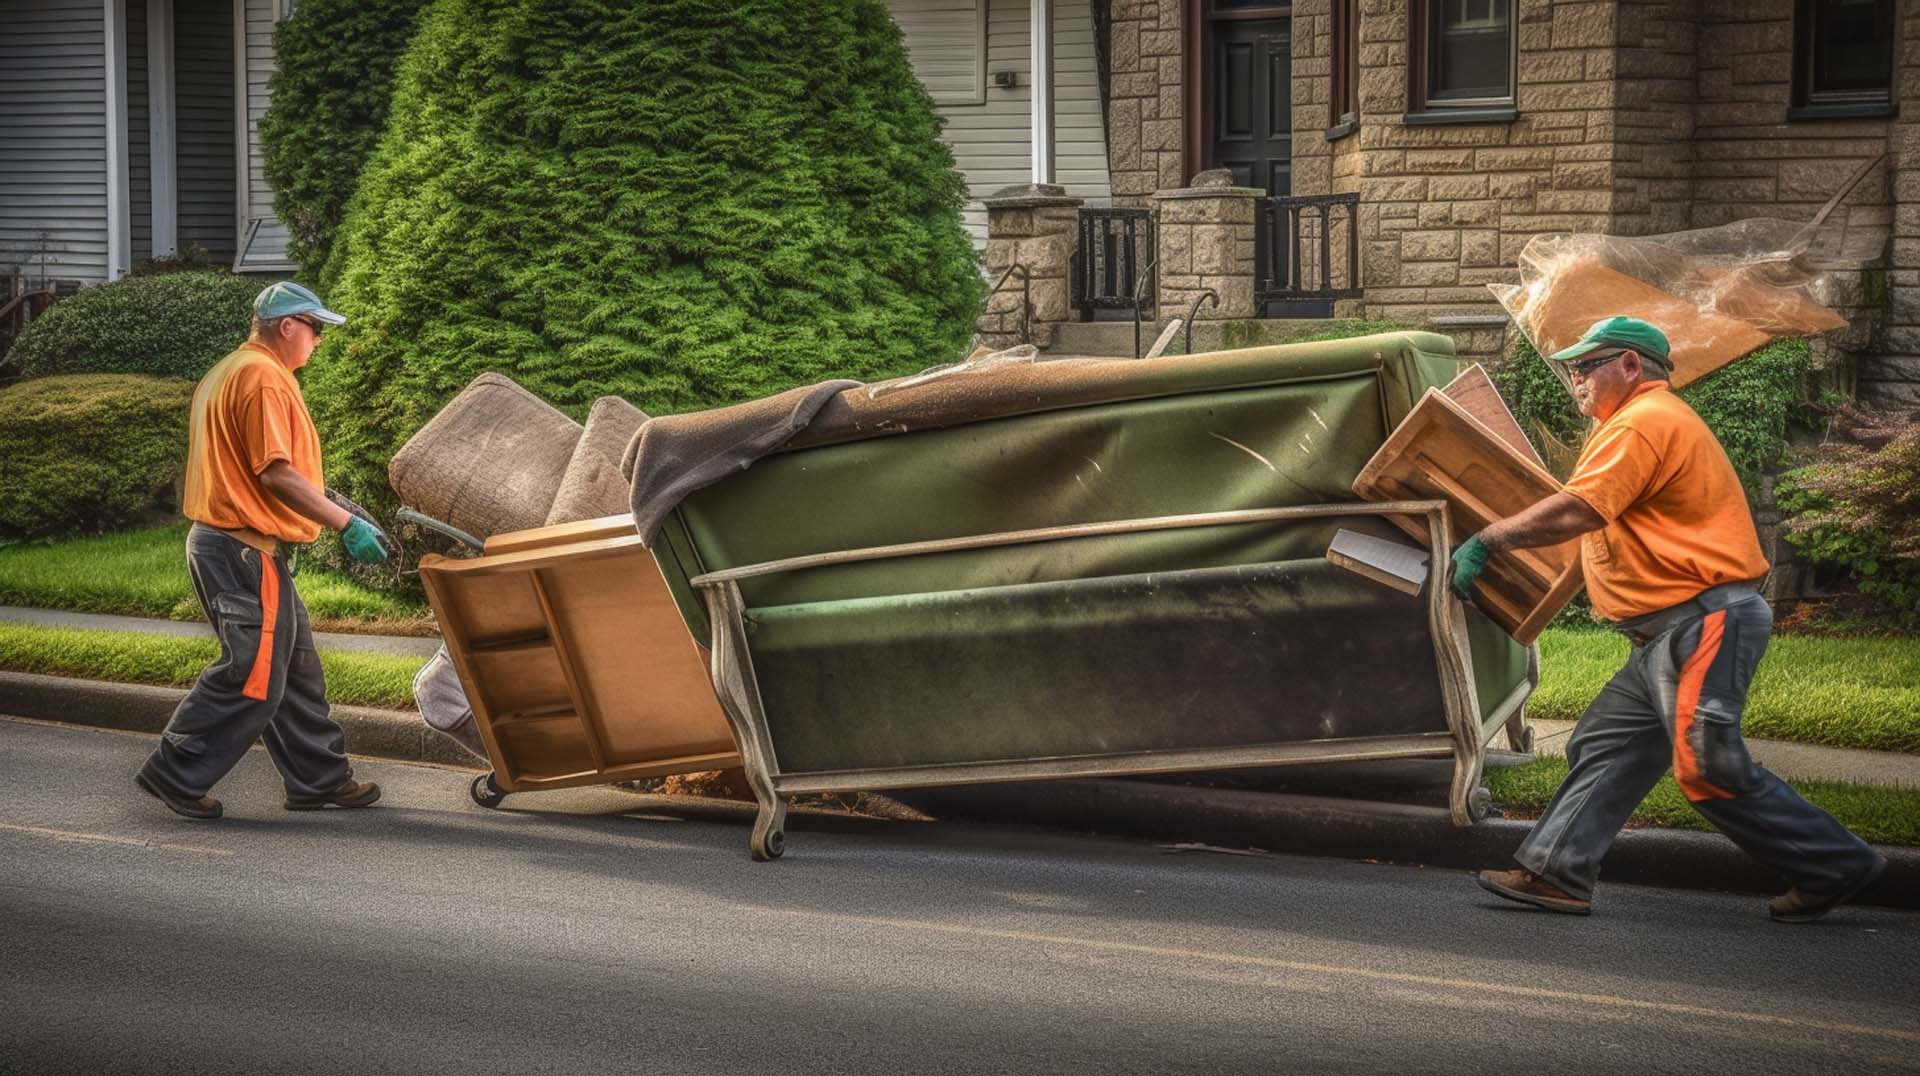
{"x": 201, "y": 808}
{"x": 1797, "y": 905}
{"x": 348, "y": 793}
{"x": 1528, "y": 888}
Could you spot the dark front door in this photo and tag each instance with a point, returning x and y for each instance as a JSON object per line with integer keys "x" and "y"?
{"x": 1250, "y": 68}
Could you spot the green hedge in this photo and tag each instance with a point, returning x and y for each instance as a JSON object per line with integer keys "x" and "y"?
{"x": 1748, "y": 404}
{"x": 333, "y": 77}
{"x": 173, "y": 324}
{"x": 685, "y": 203}
{"x": 89, "y": 452}
{"x": 1859, "y": 508}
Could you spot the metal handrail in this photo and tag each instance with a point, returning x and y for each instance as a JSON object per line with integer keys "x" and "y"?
{"x": 1209, "y": 295}
{"x": 1026, "y": 297}
{"x": 1139, "y": 284}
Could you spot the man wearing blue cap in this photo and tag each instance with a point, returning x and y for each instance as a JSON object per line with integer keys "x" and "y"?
{"x": 1671, "y": 557}
{"x": 253, "y": 487}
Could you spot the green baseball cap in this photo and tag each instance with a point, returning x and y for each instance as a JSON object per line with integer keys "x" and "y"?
{"x": 287, "y": 298}
{"x": 1625, "y": 332}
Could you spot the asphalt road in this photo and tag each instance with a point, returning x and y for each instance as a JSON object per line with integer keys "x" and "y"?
{"x": 596, "y": 931}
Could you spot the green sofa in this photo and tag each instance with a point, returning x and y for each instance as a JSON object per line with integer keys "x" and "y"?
{"x": 1117, "y": 646}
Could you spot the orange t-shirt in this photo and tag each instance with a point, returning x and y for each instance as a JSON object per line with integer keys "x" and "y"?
{"x": 1677, "y": 519}
{"x": 248, "y": 412}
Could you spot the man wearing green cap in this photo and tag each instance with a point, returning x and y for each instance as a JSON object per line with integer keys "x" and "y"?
{"x": 253, "y": 487}
{"x": 1671, "y": 558}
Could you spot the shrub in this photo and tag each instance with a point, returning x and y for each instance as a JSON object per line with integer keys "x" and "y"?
{"x": 1748, "y": 404}
{"x": 330, "y": 88}
{"x": 89, "y": 452}
{"x": 685, "y": 203}
{"x": 1858, "y": 507}
{"x": 172, "y": 324}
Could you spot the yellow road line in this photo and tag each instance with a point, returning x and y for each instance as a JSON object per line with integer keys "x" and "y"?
{"x": 1667, "y": 1008}
{"x": 104, "y": 838}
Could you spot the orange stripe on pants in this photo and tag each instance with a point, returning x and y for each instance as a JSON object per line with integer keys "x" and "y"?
{"x": 1686, "y": 765}
{"x": 262, "y": 675}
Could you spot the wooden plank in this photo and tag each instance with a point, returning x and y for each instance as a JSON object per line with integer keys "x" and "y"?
{"x": 1473, "y": 390}
{"x": 1442, "y": 451}
{"x": 1391, "y": 564}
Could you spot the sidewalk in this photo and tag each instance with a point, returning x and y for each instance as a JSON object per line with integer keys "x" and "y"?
{"x": 1798, "y": 761}
{"x": 1298, "y": 821}
{"x": 400, "y": 645}
{"x": 1785, "y": 759}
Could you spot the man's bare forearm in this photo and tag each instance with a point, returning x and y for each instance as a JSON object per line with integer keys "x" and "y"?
{"x": 293, "y": 490}
{"x": 1547, "y": 522}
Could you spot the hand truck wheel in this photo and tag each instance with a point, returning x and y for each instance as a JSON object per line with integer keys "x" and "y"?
{"x": 486, "y": 791}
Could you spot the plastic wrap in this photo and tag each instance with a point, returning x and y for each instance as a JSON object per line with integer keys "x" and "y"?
{"x": 1718, "y": 293}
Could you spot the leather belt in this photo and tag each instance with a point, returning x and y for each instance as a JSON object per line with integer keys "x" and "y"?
{"x": 267, "y": 545}
{"x": 1641, "y": 630}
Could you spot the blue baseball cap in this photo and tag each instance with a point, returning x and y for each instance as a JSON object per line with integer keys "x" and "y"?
{"x": 287, "y": 298}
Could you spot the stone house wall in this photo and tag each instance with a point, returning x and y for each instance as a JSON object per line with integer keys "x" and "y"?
{"x": 1146, "y": 105}
{"x": 1446, "y": 208}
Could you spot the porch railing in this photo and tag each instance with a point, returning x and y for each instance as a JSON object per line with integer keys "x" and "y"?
{"x": 1306, "y": 254}
{"x": 1115, "y": 246}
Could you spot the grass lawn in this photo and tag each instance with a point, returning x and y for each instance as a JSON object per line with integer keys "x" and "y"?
{"x": 144, "y": 573}
{"x": 353, "y": 678}
{"x": 1860, "y": 692}
{"x": 1879, "y": 815}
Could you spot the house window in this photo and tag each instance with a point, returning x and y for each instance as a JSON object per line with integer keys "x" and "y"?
{"x": 1463, "y": 53}
{"x": 1843, "y": 58}
{"x": 1346, "y": 69}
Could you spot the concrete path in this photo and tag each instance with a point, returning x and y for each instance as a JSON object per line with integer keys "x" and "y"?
{"x": 1795, "y": 760}
{"x": 325, "y": 640}
{"x": 592, "y": 930}
{"x": 1550, "y": 737}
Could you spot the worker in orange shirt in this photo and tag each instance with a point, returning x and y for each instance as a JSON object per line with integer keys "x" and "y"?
{"x": 254, "y": 488}
{"x": 1671, "y": 557}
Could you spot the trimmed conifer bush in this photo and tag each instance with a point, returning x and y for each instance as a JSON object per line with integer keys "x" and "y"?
{"x": 172, "y": 324}
{"x": 685, "y": 203}
{"x": 333, "y": 78}
{"x": 89, "y": 452}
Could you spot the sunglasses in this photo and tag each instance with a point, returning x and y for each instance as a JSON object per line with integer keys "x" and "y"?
{"x": 312, "y": 323}
{"x": 1585, "y": 367}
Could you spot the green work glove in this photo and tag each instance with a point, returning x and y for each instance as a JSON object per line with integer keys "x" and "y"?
{"x": 1468, "y": 562}
{"x": 364, "y": 541}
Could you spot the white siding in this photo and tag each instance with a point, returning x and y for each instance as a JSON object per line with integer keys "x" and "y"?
{"x": 992, "y": 142}
{"x": 53, "y": 138}
{"x": 268, "y": 251}
{"x": 139, "y": 134}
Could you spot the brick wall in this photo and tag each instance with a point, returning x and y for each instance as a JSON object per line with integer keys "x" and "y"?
{"x": 1146, "y": 107}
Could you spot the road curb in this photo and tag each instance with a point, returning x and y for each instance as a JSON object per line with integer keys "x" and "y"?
{"x": 1290, "y": 823}
{"x": 1359, "y": 829}
{"x": 393, "y": 734}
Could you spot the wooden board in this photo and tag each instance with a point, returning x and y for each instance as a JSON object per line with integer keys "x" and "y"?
{"x": 1391, "y": 564}
{"x": 1442, "y": 451}
{"x": 1473, "y": 390}
{"x": 575, "y": 660}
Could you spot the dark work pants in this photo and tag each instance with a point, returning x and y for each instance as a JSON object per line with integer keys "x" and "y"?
{"x": 1678, "y": 702}
{"x": 267, "y": 683}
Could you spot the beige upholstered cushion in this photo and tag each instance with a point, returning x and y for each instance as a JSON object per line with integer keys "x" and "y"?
{"x": 593, "y": 485}
{"x": 489, "y": 462}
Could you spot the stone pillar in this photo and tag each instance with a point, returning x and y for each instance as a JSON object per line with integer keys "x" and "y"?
{"x": 1035, "y": 226}
{"x": 1206, "y": 241}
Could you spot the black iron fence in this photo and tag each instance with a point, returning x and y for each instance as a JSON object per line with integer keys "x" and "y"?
{"x": 1306, "y": 254}
{"x": 1113, "y": 261}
